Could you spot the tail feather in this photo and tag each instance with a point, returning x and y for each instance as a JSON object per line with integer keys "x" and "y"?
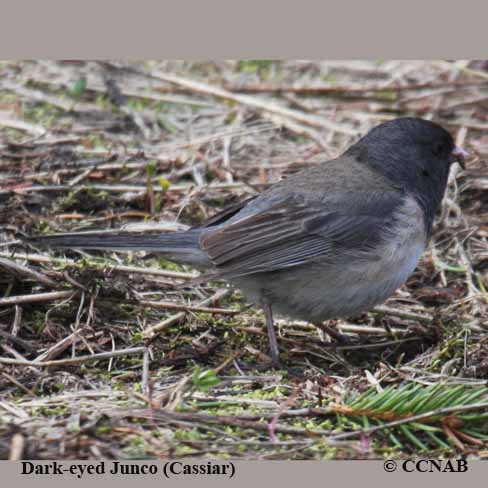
{"x": 181, "y": 247}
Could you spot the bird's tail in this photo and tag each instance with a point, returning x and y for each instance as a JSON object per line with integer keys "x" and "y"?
{"x": 181, "y": 247}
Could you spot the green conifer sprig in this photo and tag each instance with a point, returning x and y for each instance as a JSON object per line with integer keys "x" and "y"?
{"x": 442, "y": 431}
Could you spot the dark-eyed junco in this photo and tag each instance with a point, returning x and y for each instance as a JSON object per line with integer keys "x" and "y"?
{"x": 329, "y": 242}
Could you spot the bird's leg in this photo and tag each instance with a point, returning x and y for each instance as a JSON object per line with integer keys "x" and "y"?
{"x": 273, "y": 343}
{"x": 341, "y": 338}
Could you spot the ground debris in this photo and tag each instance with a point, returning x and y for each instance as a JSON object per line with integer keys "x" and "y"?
{"x": 112, "y": 356}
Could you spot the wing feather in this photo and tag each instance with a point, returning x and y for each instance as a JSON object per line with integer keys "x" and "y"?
{"x": 292, "y": 233}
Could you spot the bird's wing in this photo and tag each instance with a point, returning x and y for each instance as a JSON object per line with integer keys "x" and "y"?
{"x": 291, "y": 233}
{"x": 227, "y": 213}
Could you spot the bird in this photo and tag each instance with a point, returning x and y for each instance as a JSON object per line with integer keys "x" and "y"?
{"x": 331, "y": 241}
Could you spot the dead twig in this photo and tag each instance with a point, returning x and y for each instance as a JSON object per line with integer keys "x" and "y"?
{"x": 403, "y": 314}
{"x": 36, "y": 297}
{"x": 17, "y": 341}
{"x": 17, "y": 447}
{"x": 187, "y": 308}
{"x": 152, "y": 331}
{"x": 26, "y": 271}
{"x": 318, "y": 89}
{"x": 227, "y": 420}
{"x": 77, "y": 360}
{"x": 39, "y": 258}
{"x": 264, "y": 105}
{"x": 137, "y": 189}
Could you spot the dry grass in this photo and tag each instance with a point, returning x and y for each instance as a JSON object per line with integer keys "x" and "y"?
{"x": 106, "y": 356}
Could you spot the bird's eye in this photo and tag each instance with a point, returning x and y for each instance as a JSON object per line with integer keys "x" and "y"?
{"x": 439, "y": 149}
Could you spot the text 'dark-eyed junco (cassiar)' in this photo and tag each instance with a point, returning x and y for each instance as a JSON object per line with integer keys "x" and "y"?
{"x": 331, "y": 241}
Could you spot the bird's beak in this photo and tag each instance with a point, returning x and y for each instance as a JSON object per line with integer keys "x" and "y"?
{"x": 459, "y": 154}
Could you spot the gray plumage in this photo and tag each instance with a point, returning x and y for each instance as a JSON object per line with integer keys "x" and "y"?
{"x": 331, "y": 241}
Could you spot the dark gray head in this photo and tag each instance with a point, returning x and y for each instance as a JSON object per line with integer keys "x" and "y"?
{"x": 414, "y": 154}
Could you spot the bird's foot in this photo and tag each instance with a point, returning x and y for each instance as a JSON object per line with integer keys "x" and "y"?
{"x": 276, "y": 362}
{"x": 342, "y": 339}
